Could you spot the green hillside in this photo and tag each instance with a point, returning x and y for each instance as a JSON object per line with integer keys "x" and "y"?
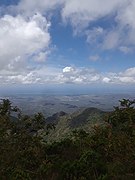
{"x": 84, "y": 119}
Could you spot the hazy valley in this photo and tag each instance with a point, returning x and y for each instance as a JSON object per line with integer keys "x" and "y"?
{"x": 50, "y": 104}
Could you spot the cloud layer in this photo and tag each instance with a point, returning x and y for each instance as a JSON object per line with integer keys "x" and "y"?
{"x": 25, "y": 39}
{"x": 68, "y": 75}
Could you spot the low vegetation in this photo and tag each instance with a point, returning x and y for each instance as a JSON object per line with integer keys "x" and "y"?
{"x": 106, "y": 152}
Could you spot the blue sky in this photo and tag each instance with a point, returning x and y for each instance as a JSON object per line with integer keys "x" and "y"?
{"x": 66, "y": 42}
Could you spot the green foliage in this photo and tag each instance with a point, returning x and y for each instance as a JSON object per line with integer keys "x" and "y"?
{"x": 5, "y": 107}
{"x": 123, "y": 117}
{"x": 108, "y": 152}
{"x": 89, "y": 114}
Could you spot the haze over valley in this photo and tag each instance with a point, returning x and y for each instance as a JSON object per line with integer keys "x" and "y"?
{"x": 50, "y": 104}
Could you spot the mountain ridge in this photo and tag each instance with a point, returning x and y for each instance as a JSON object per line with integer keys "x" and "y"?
{"x": 81, "y": 119}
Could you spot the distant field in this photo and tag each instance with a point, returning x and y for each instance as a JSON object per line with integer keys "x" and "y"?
{"x": 50, "y": 104}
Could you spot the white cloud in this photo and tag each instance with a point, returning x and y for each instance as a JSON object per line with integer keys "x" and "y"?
{"x": 90, "y": 10}
{"x": 87, "y": 76}
{"x": 29, "y": 78}
{"x": 29, "y": 7}
{"x": 21, "y": 38}
{"x": 127, "y": 76}
{"x": 119, "y": 33}
{"x": 126, "y": 15}
{"x": 41, "y": 56}
{"x": 68, "y": 69}
{"x": 106, "y": 79}
{"x": 79, "y": 75}
{"x": 49, "y": 75}
{"x": 125, "y": 80}
{"x": 121, "y": 13}
{"x": 69, "y": 74}
{"x": 25, "y": 38}
{"x": 129, "y": 72}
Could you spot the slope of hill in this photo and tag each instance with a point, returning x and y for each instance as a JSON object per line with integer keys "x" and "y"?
{"x": 83, "y": 119}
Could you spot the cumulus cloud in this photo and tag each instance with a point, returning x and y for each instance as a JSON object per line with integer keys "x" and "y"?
{"x": 68, "y": 69}
{"x": 127, "y": 76}
{"x": 21, "y": 39}
{"x": 79, "y": 75}
{"x": 106, "y": 79}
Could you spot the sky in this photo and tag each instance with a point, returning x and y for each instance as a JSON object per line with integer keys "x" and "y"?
{"x": 87, "y": 43}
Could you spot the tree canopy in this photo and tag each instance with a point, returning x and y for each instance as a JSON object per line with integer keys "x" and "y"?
{"x": 108, "y": 152}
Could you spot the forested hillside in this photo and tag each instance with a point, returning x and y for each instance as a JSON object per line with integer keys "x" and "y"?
{"x": 105, "y": 150}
